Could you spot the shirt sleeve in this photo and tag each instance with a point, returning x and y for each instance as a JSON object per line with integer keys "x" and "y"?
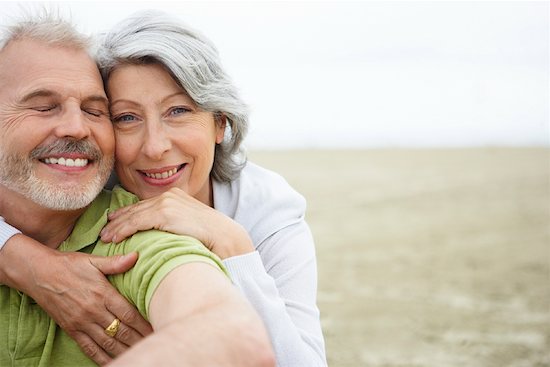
{"x": 159, "y": 253}
{"x": 280, "y": 281}
{"x": 6, "y": 232}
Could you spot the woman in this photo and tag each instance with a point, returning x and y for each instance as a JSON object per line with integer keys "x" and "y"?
{"x": 179, "y": 124}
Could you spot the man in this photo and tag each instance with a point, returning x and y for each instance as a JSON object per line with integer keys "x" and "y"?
{"x": 56, "y": 152}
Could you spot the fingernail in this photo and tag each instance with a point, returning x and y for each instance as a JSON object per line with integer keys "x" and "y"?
{"x": 104, "y": 235}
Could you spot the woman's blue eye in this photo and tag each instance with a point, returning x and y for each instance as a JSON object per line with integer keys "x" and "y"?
{"x": 124, "y": 118}
{"x": 178, "y": 110}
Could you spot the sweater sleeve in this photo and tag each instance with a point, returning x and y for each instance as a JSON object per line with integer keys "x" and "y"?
{"x": 6, "y": 232}
{"x": 280, "y": 281}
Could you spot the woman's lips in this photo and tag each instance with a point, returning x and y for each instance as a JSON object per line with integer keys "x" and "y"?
{"x": 162, "y": 176}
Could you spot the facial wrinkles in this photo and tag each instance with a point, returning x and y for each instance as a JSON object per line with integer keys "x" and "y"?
{"x": 17, "y": 174}
{"x": 11, "y": 116}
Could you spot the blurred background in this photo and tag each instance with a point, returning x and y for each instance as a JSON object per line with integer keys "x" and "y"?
{"x": 419, "y": 134}
{"x": 372, "y": 74}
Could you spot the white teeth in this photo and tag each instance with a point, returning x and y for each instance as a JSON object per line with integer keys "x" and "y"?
{"x": 69, "y": 162}
{"x": 162, "y": 175}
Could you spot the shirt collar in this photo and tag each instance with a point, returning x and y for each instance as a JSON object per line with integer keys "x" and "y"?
{"x": 88, "y": 226}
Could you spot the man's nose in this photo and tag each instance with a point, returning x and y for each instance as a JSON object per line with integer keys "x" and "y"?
{"x": 73, "y": 124}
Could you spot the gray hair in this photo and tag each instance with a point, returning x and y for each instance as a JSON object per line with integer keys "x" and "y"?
{"x": 45, "y": 25}
{"x": 194, "y": 63}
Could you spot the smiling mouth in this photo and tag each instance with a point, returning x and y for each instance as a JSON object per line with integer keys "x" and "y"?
{"x": 163, "y": 174}
{"x": 67, "y": 162}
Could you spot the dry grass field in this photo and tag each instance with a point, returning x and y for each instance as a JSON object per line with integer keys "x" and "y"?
{"x": 432, "y": 258}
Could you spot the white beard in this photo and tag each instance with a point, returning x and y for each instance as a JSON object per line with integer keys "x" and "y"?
{"x": 17, "y": 174}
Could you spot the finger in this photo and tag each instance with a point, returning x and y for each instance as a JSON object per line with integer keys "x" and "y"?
{"x": 108, "y": 344}
{"x": 120, "y": 211}
{"x": 129, "y": 316}
{"x": 114, "y": 264}
{"x": 126, "y": 225}
{"x": 129, "y": 209}
{"x": 90, "y": 348}
{"x": 127, "y": 336}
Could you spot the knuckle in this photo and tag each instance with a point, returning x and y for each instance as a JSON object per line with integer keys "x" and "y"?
{"x": 170, "y": 195}
{"x": 109, "y": 345}
{"x": 89, "y": 314}
{"x": 133, "y": 220}
{"x": 123, "y": 334}
{"x": 130, "y": 316}
{"x": 90, "y": 349}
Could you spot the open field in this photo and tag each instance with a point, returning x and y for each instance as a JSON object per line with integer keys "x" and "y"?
{"x": 429, "y": 258}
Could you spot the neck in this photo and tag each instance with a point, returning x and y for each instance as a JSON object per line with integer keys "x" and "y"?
{"x": 50, "y": 227}
{"x": 206, "y": 195}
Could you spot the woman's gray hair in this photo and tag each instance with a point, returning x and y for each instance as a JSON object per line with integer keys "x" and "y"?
{"x": 46, "y": 25}
{"x": 194, "y": 63}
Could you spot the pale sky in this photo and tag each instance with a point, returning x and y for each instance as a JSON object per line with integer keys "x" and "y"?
{"x": 373, "y": 74}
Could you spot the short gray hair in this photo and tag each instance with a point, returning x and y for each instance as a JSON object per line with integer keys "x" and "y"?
{"x": 193, "y": 61}
{"x": 45, "y": 25}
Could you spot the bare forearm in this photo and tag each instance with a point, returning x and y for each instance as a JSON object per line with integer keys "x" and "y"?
{"x": 211, "y": 338}
{"x": 200, "y": 319}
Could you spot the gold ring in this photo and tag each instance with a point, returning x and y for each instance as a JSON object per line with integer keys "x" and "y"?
{"x": 112, "y": 329}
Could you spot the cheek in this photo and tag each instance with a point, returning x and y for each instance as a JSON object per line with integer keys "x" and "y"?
{"x": 106, "y": 139}
{"x": 126, "y": 150}
{"x": 199, "y": 145}
{"x": 13, "y": 122}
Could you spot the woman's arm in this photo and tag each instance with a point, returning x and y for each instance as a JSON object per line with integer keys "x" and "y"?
{"x": 285, "y": 294}
{"x": 6, "y": 232}
{"x": 177, "y": 212}
{"x": 200, "y": 320}
{"x": 72, "y": 289}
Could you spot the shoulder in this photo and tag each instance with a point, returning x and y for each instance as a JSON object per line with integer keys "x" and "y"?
{"x": 256, "y": 189}
{"x": 262, "y": 201}
{"x": 120, "y": 197}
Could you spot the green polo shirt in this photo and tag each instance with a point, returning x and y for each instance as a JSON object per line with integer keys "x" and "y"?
{"x": 29, "y": 337}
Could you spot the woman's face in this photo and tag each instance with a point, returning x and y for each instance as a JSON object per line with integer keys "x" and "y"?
{"x": 163, "y": 139}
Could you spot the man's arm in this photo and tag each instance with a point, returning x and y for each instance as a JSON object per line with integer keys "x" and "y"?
{"x": 200, "y": 319}
{"x": 72, "y": 289}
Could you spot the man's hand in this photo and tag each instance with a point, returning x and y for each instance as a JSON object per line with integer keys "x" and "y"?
{"x": 73, "y": 290}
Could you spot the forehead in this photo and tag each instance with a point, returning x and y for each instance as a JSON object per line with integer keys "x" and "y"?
{"x": 145, "y": 84}
{"x": 27, "y": 65}
{"x": 141, "y": 75}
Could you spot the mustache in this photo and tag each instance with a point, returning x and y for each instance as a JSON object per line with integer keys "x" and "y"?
{"x": 63, "y": 146}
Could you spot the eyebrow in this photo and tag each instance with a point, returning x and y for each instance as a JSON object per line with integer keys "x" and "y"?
{"x": 49, "y": 93}
{"x": 122, "y": 100}
{"x": 38, "y": 93}
{"x": 98, "y": 98}
{"x": 182, "y": 93}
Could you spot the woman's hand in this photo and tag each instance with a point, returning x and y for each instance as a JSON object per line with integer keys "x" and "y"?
{"x": 177, "y": 212}
{"x": 71, "y": 287}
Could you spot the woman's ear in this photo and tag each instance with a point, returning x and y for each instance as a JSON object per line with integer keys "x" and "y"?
{"x": 221, "y": 123}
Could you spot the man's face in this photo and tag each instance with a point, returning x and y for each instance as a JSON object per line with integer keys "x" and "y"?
{"x": 56, "y": 138}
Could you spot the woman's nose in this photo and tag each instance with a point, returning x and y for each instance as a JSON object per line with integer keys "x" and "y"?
{"x": 157, "y": 141}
